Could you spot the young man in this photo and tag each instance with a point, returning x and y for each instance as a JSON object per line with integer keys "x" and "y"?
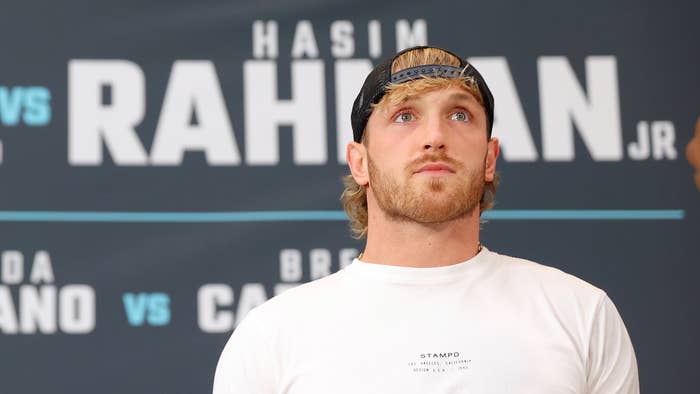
{"x": 426, "y": 308}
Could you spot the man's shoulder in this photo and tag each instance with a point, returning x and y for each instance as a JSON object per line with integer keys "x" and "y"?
{"x": 531, "y": 274}
{"x": 306, "y": 298}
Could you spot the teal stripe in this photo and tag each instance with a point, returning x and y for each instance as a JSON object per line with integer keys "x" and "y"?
{"x": 162, "y": 217}
{"x": 586, "y": 214}
{"x": 281, "y": 216}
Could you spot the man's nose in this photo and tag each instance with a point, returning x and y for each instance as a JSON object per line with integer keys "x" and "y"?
{"x": 434, "y": 136}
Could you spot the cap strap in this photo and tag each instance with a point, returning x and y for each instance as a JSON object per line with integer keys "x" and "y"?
{"x": 428, "y": 70}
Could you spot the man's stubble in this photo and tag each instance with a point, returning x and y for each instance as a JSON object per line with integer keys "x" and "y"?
{"x": 432, "y": 200}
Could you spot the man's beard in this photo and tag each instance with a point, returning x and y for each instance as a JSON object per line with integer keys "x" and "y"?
{"x": 431, "y": 200}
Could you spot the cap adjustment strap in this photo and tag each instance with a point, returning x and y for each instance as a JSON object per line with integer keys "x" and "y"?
{"x": 428, "y": 70}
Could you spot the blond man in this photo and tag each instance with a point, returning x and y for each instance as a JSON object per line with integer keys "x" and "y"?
{"x": 426, "y": 308}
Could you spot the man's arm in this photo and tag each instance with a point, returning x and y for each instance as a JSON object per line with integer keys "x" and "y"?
{"x": 247, "y": 364}
{"x": 612, "y": 365}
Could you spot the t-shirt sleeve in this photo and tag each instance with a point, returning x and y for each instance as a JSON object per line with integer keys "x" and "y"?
{"x": 612, "y": 365}
{"x": 246, "y": 365}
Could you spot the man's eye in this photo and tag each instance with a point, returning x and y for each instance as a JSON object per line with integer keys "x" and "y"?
{"x": 404, "y": 117}
{"x": 460, "y": 116}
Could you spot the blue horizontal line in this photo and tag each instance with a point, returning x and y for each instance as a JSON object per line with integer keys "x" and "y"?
{"x": 586, "y": 214}
{"x": 160, "y": 217}
{"x": 280, "y": 216}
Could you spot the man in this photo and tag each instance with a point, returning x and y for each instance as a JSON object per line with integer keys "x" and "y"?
{"x": 426, "y": 308}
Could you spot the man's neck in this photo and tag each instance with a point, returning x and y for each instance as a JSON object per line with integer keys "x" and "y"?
{"x": 412, "y": 244}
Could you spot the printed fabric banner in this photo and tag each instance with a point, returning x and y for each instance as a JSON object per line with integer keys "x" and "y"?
{"x": 167, "y": 166}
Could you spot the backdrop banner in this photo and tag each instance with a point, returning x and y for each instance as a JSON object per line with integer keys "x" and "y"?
{"x": 165, "y": 167}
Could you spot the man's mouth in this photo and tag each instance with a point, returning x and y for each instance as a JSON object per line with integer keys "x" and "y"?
{"x": 435, "y": 169}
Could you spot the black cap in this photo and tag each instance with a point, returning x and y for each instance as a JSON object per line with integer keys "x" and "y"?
{"x": 377, "y": 81}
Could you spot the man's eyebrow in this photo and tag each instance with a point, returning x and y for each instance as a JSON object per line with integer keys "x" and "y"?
{"x": 463, "y": 96}
{"x": 455, "y": 96}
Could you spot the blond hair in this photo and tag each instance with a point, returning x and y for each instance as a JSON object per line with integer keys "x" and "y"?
{"x": 354, "y": 197}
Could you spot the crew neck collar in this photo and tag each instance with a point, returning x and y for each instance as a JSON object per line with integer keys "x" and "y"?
{"x": 401, "y": 274}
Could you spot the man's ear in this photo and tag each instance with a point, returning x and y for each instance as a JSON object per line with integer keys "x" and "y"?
{"x": 356, "y": 155}
{"x": 491, "y": 157}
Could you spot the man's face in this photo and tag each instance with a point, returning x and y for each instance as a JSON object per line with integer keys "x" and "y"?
{"x": 427, "y": 156}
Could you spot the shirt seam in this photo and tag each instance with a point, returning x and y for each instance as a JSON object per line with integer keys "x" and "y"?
{"x": 266, "y": 338}
{"x": 594, "y": 321}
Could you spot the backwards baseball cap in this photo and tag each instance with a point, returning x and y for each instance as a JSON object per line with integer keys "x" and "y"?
{"x": 380, "y": 78}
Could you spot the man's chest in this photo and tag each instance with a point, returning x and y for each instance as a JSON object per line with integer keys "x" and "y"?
{"x": 474, "y": 358}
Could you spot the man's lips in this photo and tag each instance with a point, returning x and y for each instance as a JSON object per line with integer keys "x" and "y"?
{"x": 436, "y": 168}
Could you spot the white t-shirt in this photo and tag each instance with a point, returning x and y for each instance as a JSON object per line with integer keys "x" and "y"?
{"x": 492, "y": 324}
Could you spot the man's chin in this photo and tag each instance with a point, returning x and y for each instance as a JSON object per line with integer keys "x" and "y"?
{"x": 437, "y": 211}
{"x": 434, "y": 185}
{"x": 434, "y": 218}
